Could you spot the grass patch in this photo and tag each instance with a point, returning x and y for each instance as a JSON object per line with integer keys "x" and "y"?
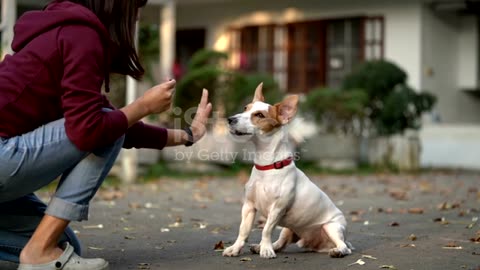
{"x": 161, "y": 169}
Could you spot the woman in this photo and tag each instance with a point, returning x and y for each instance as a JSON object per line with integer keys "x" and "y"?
{"x": 54, "y": 122}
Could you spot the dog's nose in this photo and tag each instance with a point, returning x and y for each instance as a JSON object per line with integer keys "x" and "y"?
{"x": 232, "y": 120}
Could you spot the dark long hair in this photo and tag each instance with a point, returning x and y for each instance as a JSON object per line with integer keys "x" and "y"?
{"x": 119, "y": 18}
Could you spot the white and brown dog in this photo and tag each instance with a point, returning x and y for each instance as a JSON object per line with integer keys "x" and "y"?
{"x": 280, "y": 191}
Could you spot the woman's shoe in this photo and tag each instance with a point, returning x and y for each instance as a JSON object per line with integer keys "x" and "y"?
{"x": 68, "y": 261}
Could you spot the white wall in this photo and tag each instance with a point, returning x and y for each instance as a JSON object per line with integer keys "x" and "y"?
{"x": 443, "y": 49}
{"x": 402, "y": 22}
{"x": 451, "y": 146}
{"x": 468, "y": 53}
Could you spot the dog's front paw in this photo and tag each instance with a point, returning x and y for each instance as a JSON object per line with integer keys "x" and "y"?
{"x": 339, "y": 253}
{"x": 267, "y": 252}
{"x": 232, "y": 251}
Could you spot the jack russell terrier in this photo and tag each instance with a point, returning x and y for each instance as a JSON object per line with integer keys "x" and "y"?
{"x": 280, "y": 191}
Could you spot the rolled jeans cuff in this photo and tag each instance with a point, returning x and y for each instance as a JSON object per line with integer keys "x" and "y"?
{"x": 66, "y": 210}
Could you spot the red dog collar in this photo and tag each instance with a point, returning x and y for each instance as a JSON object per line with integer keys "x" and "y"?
{"x": 277, "y": 165}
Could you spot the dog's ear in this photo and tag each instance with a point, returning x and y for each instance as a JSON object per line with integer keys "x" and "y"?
{"x": 287, "y": 109}
{"x": 259, "y": 93}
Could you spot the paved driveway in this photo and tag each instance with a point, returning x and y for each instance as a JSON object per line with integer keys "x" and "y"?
{"x": 426, "y": 221}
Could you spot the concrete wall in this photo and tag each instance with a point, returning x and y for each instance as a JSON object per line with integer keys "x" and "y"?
{"x": 447, "y": 62}
{"x": 451, "y": 146}
{"x": 468, "y": 53}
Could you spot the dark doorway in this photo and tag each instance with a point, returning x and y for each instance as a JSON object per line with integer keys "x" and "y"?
{"x": 188, "y": 41}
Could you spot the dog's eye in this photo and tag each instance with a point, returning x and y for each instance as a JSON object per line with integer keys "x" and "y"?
{"x": 260, "y": 115}
{"x": 245, "y": 108}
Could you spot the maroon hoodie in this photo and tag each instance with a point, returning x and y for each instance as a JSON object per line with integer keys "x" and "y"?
{"x": 57, "y": 71}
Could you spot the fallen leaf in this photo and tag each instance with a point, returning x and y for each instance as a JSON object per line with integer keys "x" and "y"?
{"x": 356, "y": 219}
{"x": 452, "y": 245}
{"x": 164, "y": 230}
{"x": 99, "y": 226}
{"x": 441, "y": 220}
{"x": 448, "y": 206}
{"x": 412, "y": 237}
{"x": 408, "y": 245}
{"x": 357, "y": 212}
{"x": 471, "y": 225}
{"x": 475, "y": 239}
{"x": 245, "y": 259}
{"x": 385, "y": 266}
{"x": 359, "y": 262}
{"x": 175, "y": 225}
{"x": 394, "y": 224}
{"x": 134, "y": 205}
{"x": 398, "y": 195}
{"x": 203, "y": 197}
{"x": 425, "y": 187}
{"x": 386, "y": 211}
{"x": 472, "y": 190}
{"x": 219, "y": 246}
{"x": 171, "y": 241}
{"x": 128, "y": 237}
{"x": 415, "y": 210}
{"x": 143, "y": 266}
{"x": 96, "y": 248}
{"x": 110, "y": 195}
{"x": 150, "y": 205}
{"x": 368, "y": 257}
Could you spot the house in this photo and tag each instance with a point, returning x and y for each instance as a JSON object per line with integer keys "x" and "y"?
{"x": 307, "y": 43}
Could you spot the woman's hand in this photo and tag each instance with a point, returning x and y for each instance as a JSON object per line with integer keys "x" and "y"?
{"x": 159, "y": 98}
{"x": 200, "y": 120}
{"x": 156, "y": 100}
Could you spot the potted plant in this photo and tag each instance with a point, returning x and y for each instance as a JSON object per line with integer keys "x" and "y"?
{"x": 393, "y": 113}
{"x": 339, "y": 116}
{"x": 371, "y": 119}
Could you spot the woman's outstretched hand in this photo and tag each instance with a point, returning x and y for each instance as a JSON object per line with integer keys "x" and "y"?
{"x": 200, "y": 120}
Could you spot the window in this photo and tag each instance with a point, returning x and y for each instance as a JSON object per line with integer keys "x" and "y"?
{"x": 305, "y": 55}
{"x": 260, "y": 49}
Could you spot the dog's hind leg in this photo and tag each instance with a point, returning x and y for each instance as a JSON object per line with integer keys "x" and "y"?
{"x": 336, "y": 233}
{"x": 286, "y": 237}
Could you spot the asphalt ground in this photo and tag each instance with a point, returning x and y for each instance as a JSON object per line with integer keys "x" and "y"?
{"x": 419, "y": 221}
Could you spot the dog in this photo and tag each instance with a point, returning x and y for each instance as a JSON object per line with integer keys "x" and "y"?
{"x": 281, "y": 192}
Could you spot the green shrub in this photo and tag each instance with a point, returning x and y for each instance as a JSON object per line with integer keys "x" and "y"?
{"x": 335, "y": 110}
{"x": 204, "y": 71}
{"x": 392, "y": 106}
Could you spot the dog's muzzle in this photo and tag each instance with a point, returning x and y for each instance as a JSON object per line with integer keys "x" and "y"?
{"x": 232, "y": 121}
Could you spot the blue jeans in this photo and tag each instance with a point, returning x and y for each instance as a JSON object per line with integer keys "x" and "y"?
{"x": 35, "y": 159}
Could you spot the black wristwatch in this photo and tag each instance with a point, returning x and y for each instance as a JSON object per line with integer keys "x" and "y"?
{"x": 189, "y": 132}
